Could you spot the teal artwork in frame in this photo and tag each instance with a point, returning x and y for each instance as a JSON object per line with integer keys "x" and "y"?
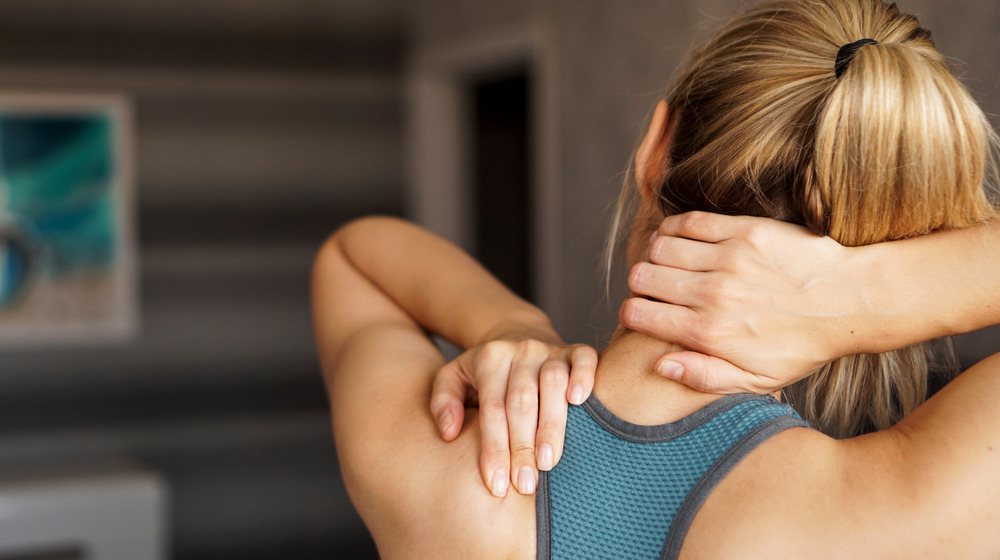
{"x": 67, "y": 233}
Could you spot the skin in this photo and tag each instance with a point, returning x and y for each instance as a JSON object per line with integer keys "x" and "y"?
{"x": 925, "y": 487}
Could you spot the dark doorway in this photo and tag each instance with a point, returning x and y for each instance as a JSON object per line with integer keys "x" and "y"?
{"x": 502, "y": 176}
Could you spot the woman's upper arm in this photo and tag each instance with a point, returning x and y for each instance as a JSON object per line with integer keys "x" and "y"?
{"x": 420, "y": 497}
{"x": 346, "y": 303}
{"x": 927, "y": 487}
{"x": 376, "y": 361}
{"x": 355, "y": 326}
{"x": 924, "y": 488}
{"x": 378, "y": 365}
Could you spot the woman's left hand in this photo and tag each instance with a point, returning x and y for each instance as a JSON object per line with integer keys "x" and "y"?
{"x": 522, "y": 386}
{"x": 760, "y": 303}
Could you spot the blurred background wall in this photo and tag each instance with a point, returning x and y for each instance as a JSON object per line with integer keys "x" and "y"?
{"x": 261, "y": 127}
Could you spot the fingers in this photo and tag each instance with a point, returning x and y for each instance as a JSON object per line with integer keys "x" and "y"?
{"x": 671, "y": 285}
{"x": 522, "y": 419}
{"x": 663, "y": 321}
{"x": 712, "y": 375}
{"x": 684, "y": 253}
{"x": 448, "y": 400}
{"x": 561, "y": 383}
{"x": 553, "y": 379}
{"x": 523, "y": 389}
{"x": 495, "y": 455}
{"x": 583, "y": 360}
{"x": 704, "y": 226}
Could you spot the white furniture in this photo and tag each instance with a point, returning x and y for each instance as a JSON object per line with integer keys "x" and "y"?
{"x": 91, "y": 510}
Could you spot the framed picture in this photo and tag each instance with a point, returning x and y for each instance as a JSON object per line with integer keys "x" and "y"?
{"x": 67, "y": 220}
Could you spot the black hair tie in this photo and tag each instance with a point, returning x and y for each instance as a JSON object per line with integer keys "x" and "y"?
{"x": 846, "y": 54}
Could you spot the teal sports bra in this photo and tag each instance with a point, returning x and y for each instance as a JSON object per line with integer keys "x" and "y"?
{"x": 626, "y": 491}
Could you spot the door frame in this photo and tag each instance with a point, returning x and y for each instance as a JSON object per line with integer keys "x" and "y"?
{"x": 439, "y": 125}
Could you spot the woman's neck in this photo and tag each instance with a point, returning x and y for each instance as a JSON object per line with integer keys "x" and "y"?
{"x": 629, "y": 386}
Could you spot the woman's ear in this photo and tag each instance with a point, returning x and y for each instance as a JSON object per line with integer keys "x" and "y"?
{"x": 651, "y": 156}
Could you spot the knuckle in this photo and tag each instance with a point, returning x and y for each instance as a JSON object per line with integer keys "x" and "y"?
{"x": 692, "y": 221}
{"x": 497, "y": 352}
{"x": 493, "y": 411}
{"x": 584, "y": 352}
{"x": 492, "y": 350}
{"x": 523, "y": 452}
{"x": 632, "y": 312}
{"x": 532, "y": 347}
{"x": 703, "y": 383}
{"x": 709, "y": 380}
{"x": 553, "y": 376}
{"x": 493, "y": 346}
{"x": 495, "y": 454}
{"x": 667, "y": 245}
{"x": 638, "y": 274}
{"x": 755, "y": 235}
{"x": 661, "y": 249}
{"x": 521, "y": 401}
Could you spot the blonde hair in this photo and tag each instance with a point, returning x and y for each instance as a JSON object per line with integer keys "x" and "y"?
{"x": 894, "y": 148}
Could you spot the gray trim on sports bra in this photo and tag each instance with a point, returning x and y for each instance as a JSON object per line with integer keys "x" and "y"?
{"x": 715, "y": 474}
{"x": 665, "y": 432}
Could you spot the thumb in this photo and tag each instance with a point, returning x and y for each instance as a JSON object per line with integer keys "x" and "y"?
{"x": 709, "y": 374}
{"x": 448, "y": 399}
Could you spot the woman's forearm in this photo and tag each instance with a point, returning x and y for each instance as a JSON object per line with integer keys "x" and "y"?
{"x": 927, "y": 287}
{"x": 440, "y": 286}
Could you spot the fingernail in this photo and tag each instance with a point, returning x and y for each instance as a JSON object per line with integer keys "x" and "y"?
{"x": 656, "y": 233}
{"x": 545, "y": 457}
{"x": 444, "y": 422}
{"x": 499, "y": 484}
{"x": 671, "y": 369}
{"x": 526, "y": 480}
{"x": 576, "y": 395}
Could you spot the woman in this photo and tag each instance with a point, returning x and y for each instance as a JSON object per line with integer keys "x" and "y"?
{"x": 770, "y": 118}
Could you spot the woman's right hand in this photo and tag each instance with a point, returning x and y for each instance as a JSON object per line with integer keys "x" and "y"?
{"x": 522, "y": 386}
{"x": 759, "y": 303}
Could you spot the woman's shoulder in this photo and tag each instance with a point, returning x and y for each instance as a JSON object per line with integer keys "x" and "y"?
{"x": 434, "y": 504}
{"x": 419, "y": 496}
{"x": 777, "y": 482}
{"x": 802, "y": 494}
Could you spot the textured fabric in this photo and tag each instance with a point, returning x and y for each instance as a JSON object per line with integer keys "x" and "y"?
{"x": 628, "y": 491}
